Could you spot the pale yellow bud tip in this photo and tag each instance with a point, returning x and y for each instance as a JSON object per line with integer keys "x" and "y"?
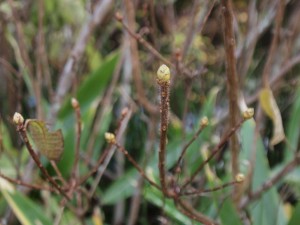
{"x": 75, "y": 103}
{"x": 248, "y": 114}
{"x": 110, "y": 138}
{"x": 18, "y": 119}
{"x": 240, "y": 177}
{"x": 163, "y": 74}
{"x": 204, "y": 122}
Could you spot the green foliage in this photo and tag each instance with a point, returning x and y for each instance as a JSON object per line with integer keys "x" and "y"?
{"x": 27, "y": 211}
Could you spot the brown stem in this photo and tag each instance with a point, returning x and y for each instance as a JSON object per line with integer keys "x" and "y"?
{"x": 271, "y": 54}
{"x": 189, "y": 211}
{"x": 20, "y": 182}
{"x": 135, "y": 164}
{"x": 164, "y": 120}
{"x": 76, "y": 107}
{"x": 272, "y": 181}
{"x": 135, "y": 60}
{"x": 148, "y": 46}
{"x": 68, "y": 73}
{"x": 22, "y": 132}
{"x": 103, "y": 107}
{"x": 184, "y": 149}
{"x": 232, "y": 82}
{"x": 213, "y": 153}
{"x": 199, "y": 192}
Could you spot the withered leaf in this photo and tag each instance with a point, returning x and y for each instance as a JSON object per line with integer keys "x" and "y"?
{"x": 270, "y": 107}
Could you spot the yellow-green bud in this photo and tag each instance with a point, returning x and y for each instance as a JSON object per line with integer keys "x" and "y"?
{"x": 240, "y": 177}
{"x": 110, "y": 138}
{"x": 18, "y": 119}
{"x": 248, "y": 114}
{"x": 75, "y": 103}
{"x": 163, "y": 74}
{"x": 204, "y": 122}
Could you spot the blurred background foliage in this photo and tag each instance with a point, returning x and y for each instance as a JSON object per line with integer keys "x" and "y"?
{"x": 36, "y": 40}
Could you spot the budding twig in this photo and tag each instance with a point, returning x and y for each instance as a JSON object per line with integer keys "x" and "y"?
{"x": 163, "y": 80}
{"x": 19, "y": 121}
{"x": 213, "y": 153}
{"x": 203, "y": 124}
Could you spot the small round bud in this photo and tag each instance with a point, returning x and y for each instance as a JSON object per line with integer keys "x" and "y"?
{"x": 163, "y": 74}
{"x": 110, "y": 138}
{"x": 18, "y": 119}
{"x": 119, "y": 16}
{"x": 124, "y": 111}
{"x": 204, "y": 122}
{"x": 240, "y": 177}
{"x": 75, "y": 103}
{"x": 248, "y": 114}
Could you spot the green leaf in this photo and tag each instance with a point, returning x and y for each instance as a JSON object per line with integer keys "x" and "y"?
{"x": 126, "y": 183}
{"x": 155, "y": 197}
{"x": 27, "y": 212}
{"x": 89, "y": 91}
{"x": 269, "y": 203}
{"x": 293, "y": 130}
{"x": 296, "y": 216}
{"x": 50, "y": 144}
{"x": 228, "y": 213}
{"x": 92, "y": 87}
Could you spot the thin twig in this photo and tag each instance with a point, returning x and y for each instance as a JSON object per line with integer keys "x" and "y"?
{"x": 103, "y": 105}
{"x": 22, "y": 132}
{"x": 100, "y": 170}
{"x": 109, "y": 151}
{"x": 142, "y": 41}
{"x": 135, "y": 164}
{"x": 134, "y": 55}
{"x": 196, "y": 28}
{"x": 232, "y": 82}
{"x": 31, "y": 186}
{"x": 76, "y": 107}
{"x": 64, "y": 84}
{"x": 189, "y": 211}
{"x": 271, "y": 182}
{"x": 213, "y": 153}
{"x": 184, "y": 149}
{"x": 164, "y": 120}
{"x": 204, "y": 191}
{"x": 274, "y": 43}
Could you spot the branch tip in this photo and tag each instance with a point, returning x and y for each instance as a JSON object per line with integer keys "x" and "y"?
{"x": 163, "y": 74}
{"x": 248, "y": 113}
{"x": 18, "y": 119}
{"x": 110, "y": 138}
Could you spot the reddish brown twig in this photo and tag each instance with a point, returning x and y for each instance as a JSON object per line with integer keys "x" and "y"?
{"x": 31, "y": 186}
{"x": 232, "y": 81}
{"x": 134, "y": 57}
{"x": 189, "y": 211}
{"x": 108, "y": 152}
{"x": 271, "y": 182}
{"x": 213, "y": 153}
{"x": 76, "y": 107}
{"x": 274, "y": 43}
{"x": 141, "y": 40}
{"x": 68, "y": 73}
{"x": 22, "y": 131}
{"x": 204, "y": 191}
{"x": 184, "y": 149}
{"x": 135, "y": 164}
{"x": 163, "y": 80}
